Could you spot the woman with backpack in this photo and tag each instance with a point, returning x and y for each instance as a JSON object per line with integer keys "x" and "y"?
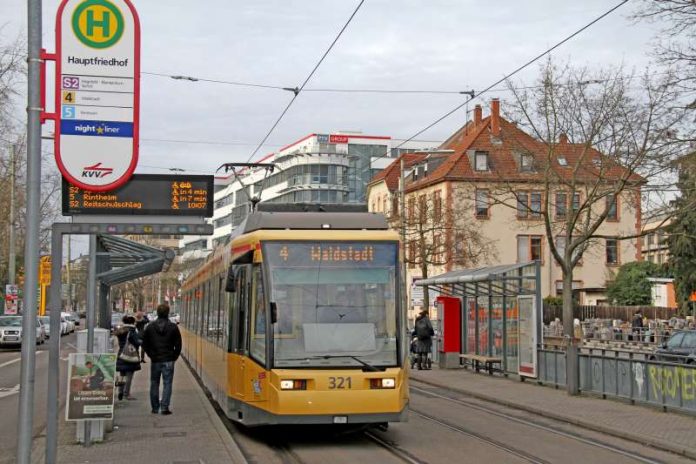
{"x": 424, "y": 331}
{"x": 128, "y": 359}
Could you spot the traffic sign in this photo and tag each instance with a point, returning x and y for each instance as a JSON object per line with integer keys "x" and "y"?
{"x": 97, "y": 92}
{"x": 45, "y": 270}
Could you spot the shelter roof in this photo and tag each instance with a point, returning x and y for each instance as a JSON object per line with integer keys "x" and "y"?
{"x": 128, "y": 260}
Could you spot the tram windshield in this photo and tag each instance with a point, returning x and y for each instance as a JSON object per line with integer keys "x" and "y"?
{"x": 336, "y": 303}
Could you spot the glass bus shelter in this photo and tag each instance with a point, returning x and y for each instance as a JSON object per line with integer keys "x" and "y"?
{"x": 500, "y": 312}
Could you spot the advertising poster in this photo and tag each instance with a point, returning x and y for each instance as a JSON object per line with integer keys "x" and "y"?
{"x": 11, "y": 299}
{"x": 91, "y": 380}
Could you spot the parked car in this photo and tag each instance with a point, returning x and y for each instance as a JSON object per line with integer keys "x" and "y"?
{"x": 68, "y": 319}
{"x": 11, "y": 331}
{"x": 64, "y": 326}
{"x": 116, "y": 321}
{"x": 74, "y": 317}
{"x": 680, "y": 347}
{"x": 47, "y": 325}
{"x": 40, "y": 332}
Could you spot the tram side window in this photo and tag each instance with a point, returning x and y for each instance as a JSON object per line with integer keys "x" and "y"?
{"x": 221, "y": 310}
{"x": 241, "y": 318}
{"x": 258, "y": 324}
{"x": 201, "y": 308}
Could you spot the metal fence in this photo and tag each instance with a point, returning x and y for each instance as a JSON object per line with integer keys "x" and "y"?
{"x": 625, "y": 375}
{"x": 624, "y": 313}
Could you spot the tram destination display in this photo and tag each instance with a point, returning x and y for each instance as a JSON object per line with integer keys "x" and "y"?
{"x": 145, "y": 194}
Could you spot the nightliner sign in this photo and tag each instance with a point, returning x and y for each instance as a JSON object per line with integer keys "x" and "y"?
{"x": 97, "y": 92}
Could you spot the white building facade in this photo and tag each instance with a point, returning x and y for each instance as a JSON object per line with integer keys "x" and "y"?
{"x": 318, "y": 168}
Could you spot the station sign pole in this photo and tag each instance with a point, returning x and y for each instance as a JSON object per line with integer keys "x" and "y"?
{"x": 31, "y": 249}
{"x": 97, "y": 92}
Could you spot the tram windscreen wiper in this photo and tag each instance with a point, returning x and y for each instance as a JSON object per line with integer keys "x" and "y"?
{"x": 368, "y": 366}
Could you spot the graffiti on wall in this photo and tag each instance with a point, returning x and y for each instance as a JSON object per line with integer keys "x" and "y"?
{"x": 672, "y": 381}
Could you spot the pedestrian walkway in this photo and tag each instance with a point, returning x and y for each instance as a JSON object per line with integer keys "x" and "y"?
{"x": 192, "y": 434}
{"x": 668, "y": 431}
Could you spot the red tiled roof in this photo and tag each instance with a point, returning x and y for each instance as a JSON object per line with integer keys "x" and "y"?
{"x": 503, "y": 151}
{"x": 390, "y": 174}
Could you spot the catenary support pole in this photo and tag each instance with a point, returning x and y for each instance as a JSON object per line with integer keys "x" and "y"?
{"x": 402, "y": 271}
{"x": 12, "y": 252}
{"x": 55, "y": 308}
{"x": 91, "y": 312}
{"x": 31, "y": 250}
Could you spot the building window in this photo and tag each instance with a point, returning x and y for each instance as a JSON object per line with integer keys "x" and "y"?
{"x": 384, "y": 205}
{"x": 437, "y": 206}
{"x": 522, "y": 201}
{"x": 412, "y": 253}
{"x": 561, "y": 204}
{"x": 651, "y": 238}
{"x": 562, "y": 161}
{"x": 482, "y": 203}
{"x": 529, "y": 248}
{"x": 526, "y": 162}
{"x": 395, "y": 206}
{"x": 576, "y": 202}
{"x": 612, "y": 250}
{"x": 423, "y": 209}
{"x": 529, "y": 204}
{"x": 561, "y": 246}
{"x": 612, "y": 209}
{"x": 411, "y": 209}
{"x": 481, "y": 161}
{"x": 576, "y": 285}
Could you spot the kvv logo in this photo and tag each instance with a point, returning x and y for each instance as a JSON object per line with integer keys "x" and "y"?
{"x": 96, "y": 171}
{"x": 97, "y": 23}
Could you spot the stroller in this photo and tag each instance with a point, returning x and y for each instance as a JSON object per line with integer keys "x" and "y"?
{"x": 428, "y": 362}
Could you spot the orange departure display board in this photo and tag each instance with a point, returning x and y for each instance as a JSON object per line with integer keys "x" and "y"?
{"x": 145, "y": 194}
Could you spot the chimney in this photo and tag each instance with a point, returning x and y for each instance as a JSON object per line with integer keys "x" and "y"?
{"x": 562, "y": 139}
{"x": 495, "y": 116}
{"x": 478, "y": 115}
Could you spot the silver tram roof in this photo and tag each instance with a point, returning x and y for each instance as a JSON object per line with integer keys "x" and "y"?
{"x": 277, "y": 216}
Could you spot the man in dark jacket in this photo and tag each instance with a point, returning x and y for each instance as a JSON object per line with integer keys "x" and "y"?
{"x": 162, "y": 343}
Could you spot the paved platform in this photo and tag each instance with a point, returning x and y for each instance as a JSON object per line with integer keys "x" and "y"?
{"x": 667, "y": 431}
{"x": 192, "y": 434}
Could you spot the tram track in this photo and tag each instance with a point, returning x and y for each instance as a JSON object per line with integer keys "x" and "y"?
{"x": 531, "y": 423}
{"x": 394, "y": 449}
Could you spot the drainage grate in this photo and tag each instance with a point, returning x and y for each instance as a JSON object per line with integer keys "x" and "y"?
{"x": 174, "y": 434}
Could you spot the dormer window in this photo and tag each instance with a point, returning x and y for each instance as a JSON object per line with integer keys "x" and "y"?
{"x": 526, "y": 162}
{"x": 481, "y": 161}
{"x": 562, "y": 161}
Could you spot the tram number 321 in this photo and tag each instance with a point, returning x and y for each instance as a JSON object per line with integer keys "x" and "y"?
{"x": 339, "y": 383}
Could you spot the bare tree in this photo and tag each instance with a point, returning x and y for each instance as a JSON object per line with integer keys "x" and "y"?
{"x": 676, "y": 44}
{"x": 437, "y": 238}
{"x": 596, "y": 141}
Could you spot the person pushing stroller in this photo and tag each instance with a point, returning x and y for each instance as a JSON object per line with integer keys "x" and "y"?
{"x": 422, "y": 345}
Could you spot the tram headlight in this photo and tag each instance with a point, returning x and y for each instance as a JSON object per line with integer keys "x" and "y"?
{"x": 382, "y": 383}
{"x": 293, "y": 384}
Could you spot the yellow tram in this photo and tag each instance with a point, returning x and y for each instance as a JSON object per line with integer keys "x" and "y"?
{"x": 297, "y": 320}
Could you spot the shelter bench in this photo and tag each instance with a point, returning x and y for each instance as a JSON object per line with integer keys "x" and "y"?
{"x": 476, "y": 360}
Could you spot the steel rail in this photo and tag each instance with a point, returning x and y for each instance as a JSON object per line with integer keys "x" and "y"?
{"x": 537, "y": 425}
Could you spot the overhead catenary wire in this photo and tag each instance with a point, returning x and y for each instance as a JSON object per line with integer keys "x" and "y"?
{"x": 504, "y": 78}
{"x": 297, "y": 91}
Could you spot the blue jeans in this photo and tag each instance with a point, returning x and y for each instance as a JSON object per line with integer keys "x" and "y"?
{"x": 166, "y": 370}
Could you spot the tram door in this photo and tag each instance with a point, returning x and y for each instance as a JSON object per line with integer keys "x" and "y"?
{"x": 239, "y": 330}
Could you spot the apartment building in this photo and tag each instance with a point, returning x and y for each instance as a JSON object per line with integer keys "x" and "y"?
{"x": 489, "y": 180}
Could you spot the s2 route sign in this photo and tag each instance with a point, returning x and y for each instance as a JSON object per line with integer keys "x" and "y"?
{"x": 97, "y": 92}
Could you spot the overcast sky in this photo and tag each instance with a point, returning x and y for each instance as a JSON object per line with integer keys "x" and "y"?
{"x": 404, "y": 44}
